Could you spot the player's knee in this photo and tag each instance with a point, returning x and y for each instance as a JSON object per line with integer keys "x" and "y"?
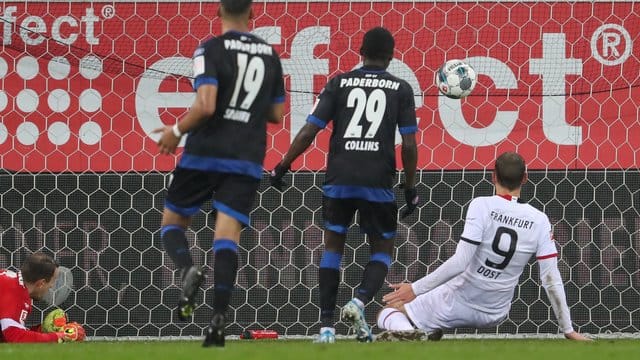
{"x": 170, "y": 217}
{"x": 384, "y": 314}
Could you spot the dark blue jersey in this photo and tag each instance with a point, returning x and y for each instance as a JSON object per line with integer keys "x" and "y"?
{"x": 248, "y": 74}
{"x": 366, "y": 106}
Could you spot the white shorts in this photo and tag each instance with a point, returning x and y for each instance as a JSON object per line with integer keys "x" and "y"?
{"x": 442, "y": 309}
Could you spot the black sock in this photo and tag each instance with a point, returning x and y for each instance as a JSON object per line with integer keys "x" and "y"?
{"x": 225, "y": 270}
{"x": 372, "y": 280}
{"x": 329, "y": 280}
{"x": 175, "y": 244}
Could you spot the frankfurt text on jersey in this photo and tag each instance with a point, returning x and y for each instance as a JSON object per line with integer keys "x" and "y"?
{"x": 511, "y": 221}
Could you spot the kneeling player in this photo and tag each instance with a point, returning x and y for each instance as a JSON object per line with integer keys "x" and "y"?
{"x": 474, "y": 287}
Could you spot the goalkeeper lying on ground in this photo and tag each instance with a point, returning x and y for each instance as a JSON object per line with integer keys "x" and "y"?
{"x": 37, "y": 275}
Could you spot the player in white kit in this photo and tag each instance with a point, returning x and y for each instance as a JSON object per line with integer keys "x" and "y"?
{"x": 474, "y": 287}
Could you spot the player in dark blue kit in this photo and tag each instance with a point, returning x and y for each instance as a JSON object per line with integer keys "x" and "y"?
{"x": 366, "y": 106}
{"x": 239, "y": 88}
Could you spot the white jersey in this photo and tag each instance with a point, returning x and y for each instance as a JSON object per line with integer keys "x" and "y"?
{"x": 507, "y": 233}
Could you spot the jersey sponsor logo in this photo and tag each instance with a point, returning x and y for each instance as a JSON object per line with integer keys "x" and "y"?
{"x": 23, "y": 316}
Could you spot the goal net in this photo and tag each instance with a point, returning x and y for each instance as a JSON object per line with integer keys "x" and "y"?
{"x": 84, "y": 83}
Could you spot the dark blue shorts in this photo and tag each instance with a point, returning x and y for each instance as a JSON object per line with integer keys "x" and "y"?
{"x": 232, "y": 194}
{"x": 375, "y": 218}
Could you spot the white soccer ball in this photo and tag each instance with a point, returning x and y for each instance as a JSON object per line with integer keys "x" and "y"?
{"x": 456, "y": 79}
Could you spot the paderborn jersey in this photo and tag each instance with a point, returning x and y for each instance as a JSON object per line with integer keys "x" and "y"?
{"x": 366, "y": 106}
{"x": 507, "y": 233}
{"x": 248, "y": 74}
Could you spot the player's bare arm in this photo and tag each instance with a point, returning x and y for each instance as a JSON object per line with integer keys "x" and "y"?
{"x": 300, "y": 143}
{"x": 402, "y": 293}
{"x": 203, "y": 107}
{"x": 409, "y": 155}
{"x": 276, "y": 114}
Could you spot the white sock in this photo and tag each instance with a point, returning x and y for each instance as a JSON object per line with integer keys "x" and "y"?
{"x": 392, "y": 319}
{"x": 358, "y": 302}
{"x": 332, "y": 330}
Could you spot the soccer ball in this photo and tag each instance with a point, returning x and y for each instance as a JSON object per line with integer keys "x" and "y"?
{"x": 456, "y": 79}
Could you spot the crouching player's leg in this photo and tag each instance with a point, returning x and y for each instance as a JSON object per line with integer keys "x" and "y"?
{"x": 397, "y": 326}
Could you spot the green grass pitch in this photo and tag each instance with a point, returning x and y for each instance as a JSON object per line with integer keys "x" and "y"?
{"x": 447, "y": 349}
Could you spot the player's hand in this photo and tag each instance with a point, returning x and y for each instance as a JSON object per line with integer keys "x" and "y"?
{"x": 576, "y": 336}
{"x": 168, "y": 140}
{"x": 276, "y": 175}
{"x": 402, "y": 293}
{"x": 72, "y": 332}
{"x": 412, "y": 199}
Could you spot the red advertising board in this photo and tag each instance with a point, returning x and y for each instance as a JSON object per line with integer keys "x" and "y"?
{"x": 83, "y": 84}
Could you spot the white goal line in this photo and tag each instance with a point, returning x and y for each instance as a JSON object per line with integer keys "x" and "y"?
{"x": 603, "y": 336}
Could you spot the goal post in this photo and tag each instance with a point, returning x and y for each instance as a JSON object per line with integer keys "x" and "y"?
{"x": 84, "y": 83}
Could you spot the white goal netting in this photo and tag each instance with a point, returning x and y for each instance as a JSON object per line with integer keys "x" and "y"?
{"x": 84, "y": 83}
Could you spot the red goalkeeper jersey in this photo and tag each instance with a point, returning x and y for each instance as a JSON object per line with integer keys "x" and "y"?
{"x": 15, "y": 306}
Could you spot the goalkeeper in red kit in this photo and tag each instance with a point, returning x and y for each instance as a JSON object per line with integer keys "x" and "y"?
{"x": 37, "y": 275}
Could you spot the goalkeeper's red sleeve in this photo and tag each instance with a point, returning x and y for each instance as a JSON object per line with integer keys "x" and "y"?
{"x": 15, "y": 334}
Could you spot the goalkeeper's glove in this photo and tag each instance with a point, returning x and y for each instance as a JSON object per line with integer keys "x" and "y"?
{"x": 71, "y": 332}
{"x": 54, "y": 321}
{"x": 412, "y": 199}
{"x": 275, "y": 178}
